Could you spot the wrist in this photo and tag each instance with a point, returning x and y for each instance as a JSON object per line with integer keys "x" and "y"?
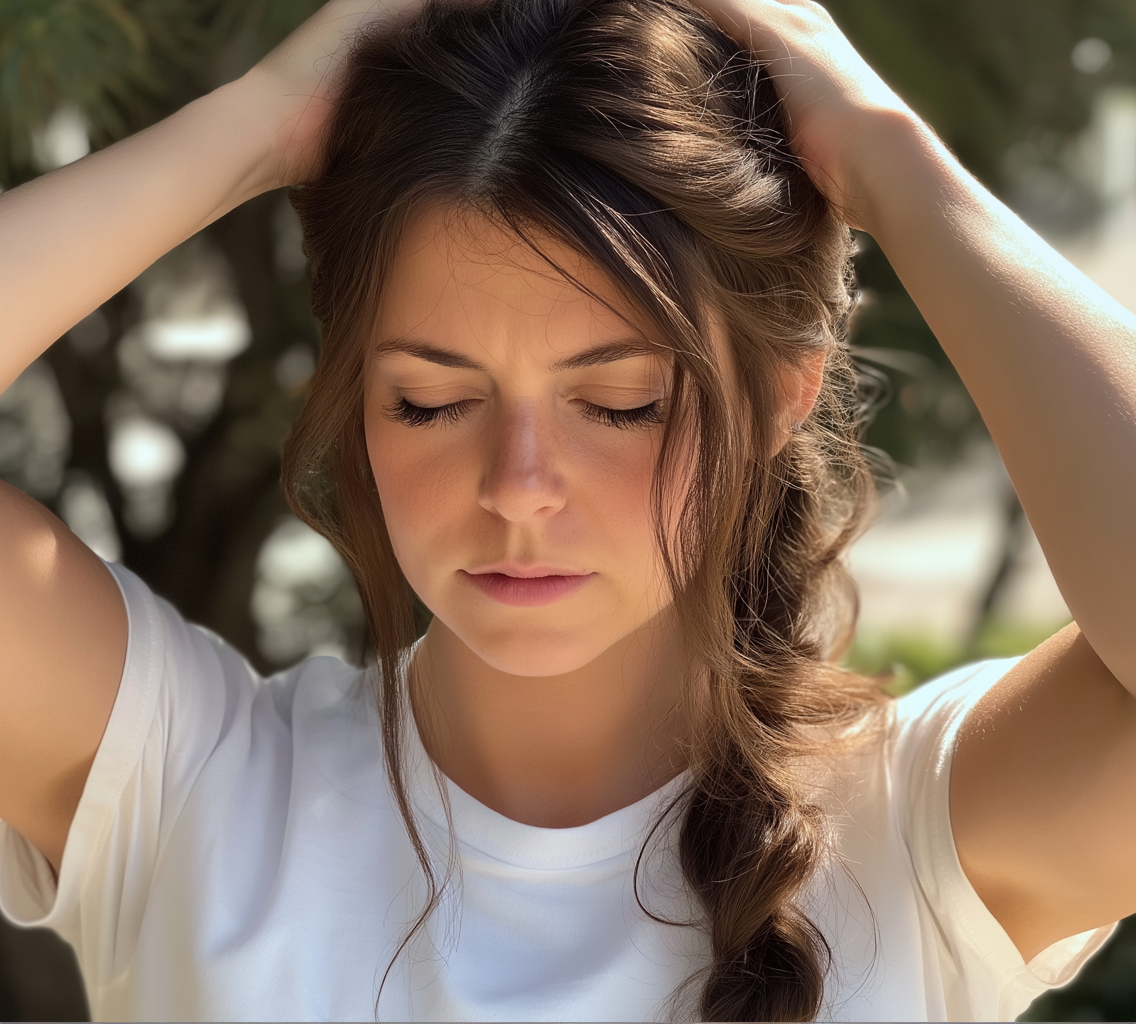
{"x": 246, "y": 122}
{"x": 895, "y": 161}
{"x": 292, "y": 119}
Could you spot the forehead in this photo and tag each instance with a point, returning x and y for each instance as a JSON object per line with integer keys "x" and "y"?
{"x": 459, "y": 279}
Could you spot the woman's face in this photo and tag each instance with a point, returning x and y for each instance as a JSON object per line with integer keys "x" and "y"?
{"x": 513, "y": 423}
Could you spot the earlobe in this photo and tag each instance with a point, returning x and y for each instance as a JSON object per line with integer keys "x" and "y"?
{"x": 809, "y": 378}
{"x": 800, "y": 386}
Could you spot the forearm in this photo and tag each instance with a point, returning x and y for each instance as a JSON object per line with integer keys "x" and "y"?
{"x": 1049, "y": 359}
{"x": 71, "y": 239}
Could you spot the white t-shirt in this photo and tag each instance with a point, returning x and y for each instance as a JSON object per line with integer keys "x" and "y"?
{"x": 237, "y": 855}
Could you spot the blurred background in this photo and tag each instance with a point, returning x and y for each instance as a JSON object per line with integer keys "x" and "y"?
{"x": 154, "y": 426}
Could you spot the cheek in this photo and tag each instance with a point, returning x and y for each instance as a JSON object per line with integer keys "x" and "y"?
{"x": 611, "y": 495}
{"x": 421, "y": 487}
{"x": 429, "y": 483}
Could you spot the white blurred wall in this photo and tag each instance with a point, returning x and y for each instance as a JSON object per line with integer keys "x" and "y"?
{"x": 924, "y": 567}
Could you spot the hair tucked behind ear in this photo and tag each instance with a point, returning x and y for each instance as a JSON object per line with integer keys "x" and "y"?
{"x": 638, "y": 134}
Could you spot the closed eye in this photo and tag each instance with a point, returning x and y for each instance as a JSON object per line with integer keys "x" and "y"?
{"x": 427, "y": 415}
{"x": 642, "y": 416}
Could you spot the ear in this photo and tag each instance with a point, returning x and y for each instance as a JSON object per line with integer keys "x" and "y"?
{"x": 800, "y": 386}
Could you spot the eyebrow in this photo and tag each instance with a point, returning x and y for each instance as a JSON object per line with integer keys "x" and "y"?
{"x": 430, "y": 353}
{"x": 611, "y": 353}
{"x": 598, "y": 356}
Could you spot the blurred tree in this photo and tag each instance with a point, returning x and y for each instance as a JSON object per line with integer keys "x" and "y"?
{"x": 996, "y": 79}
{"x": 116, "y": 66}
{"x": 998, "y": 83}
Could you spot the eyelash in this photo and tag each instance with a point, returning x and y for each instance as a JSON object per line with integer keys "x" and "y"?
{"x": 622, "y": 419}
{"x": 425, "y": 416}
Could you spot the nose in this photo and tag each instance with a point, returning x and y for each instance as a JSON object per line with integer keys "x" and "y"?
{"x": 522, "y": 480}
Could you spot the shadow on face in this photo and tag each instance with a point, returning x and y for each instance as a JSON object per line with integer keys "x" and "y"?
{"x": 514, "y": 414}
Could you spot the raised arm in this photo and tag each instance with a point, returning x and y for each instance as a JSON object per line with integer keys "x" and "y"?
{"x": 68, "y": 241}
{"x": 1043, "y": 791}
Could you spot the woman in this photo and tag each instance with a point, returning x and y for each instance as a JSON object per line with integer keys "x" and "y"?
{"x": 582, "y": 271}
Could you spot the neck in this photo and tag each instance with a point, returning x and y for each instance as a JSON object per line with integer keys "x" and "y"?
{"x": 554, "y": 751}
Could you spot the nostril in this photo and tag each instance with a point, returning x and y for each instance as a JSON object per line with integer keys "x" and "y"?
{"x": 523, "y": 479}
{"x": 516, "y": 491}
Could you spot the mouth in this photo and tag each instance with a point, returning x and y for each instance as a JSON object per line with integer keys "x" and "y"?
{"x": 527, "y": 587}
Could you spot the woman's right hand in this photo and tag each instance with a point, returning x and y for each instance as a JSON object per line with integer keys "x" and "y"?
{"x": 69, "y": 240}
{"x": 301, "y": 77}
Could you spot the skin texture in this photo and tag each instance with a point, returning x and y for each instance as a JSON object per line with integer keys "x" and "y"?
{"x": 1043, "y": 781}
{"x": 527, "y": 473}
{"x": 552, "y": 715}
{"x": 534, "y": 710}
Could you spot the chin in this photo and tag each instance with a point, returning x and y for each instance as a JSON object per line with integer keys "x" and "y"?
{"x": 535, "y": 652}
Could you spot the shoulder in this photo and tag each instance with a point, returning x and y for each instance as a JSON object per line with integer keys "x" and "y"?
{"x": 164, "y": 646}
{"x": 926, "y": 721}
{"x": 192, "y": 706}
{"x": 902, "y": 745}
{"x": 887, "y": 796}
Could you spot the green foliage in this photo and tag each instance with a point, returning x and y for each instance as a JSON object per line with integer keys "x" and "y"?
{"x": 122, "y": 63}
{"x": 273, "y": 20}
{"x": 996, "y": 81}
{"x": 904, "y": 661}
{"x": 987, "y": 74}
{"x": 901, "y": 663}
{"x": 113, "y": 60}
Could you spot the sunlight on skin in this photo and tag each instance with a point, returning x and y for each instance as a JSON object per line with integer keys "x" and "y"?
{"x": 40, "y": 557}
{"x": 51, "y": 568}
{"x": 553, "y": 699}
{"x": 549, "y": 712}
{"x": 527, "y": 476}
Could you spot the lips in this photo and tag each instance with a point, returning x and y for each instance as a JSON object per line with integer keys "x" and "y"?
{"x": 526, "y": 587}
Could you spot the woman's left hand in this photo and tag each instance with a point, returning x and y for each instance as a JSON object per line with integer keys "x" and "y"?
{"x": 1044, "y": 778}
{"x": 833, "y": 99}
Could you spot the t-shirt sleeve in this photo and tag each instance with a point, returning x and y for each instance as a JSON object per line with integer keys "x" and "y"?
{"x": 185, "y": 697}
{"x": 984, "y": 976}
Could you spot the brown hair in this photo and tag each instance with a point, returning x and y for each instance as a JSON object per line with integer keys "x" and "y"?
{"x": 642, "y": 137}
